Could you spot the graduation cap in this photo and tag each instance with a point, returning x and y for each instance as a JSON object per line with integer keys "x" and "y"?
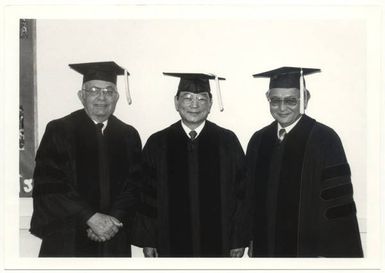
{"x": 105, "y": 71}
{"x": 289, "y": 77}
{"x": 197, "y": 83}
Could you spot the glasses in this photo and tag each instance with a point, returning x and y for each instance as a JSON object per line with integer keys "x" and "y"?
{"x": 96, "y": 91}
{"x": 291, "y": 102}
{"x": 189, "y": 98}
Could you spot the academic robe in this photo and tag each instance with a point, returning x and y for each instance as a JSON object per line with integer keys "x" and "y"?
{"x": 67, "y": 189}
{"x": 193, "y": 201}
{"x": 301, "y": 196}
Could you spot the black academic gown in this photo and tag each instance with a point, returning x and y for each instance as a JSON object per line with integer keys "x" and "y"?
{"x": 193, "y": 200}
{"x": 67, "y": 191}
{"x": 301, "y": 196}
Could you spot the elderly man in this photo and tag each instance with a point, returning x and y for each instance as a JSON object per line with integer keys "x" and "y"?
{"x": 87, "y": 165}
{"x": 195, "y": 187}
{"x": 302, "y": 196}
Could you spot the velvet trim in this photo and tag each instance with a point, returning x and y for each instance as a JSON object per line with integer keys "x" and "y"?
{"x": 335, "y": 171}
{"x": 341, "y": 211}
{"x": 262, "y": 158}
{"x": 210, "y": 204}
{"x": 288, "y": 199}
{"x": 179, "y": 212}
{"x": 336, "y": 192}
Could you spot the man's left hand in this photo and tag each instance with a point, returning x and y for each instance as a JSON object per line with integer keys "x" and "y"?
{"x": 237, "y": 252}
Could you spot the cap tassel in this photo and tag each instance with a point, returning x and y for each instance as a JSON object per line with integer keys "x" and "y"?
{"x": 301, "y": 93}
{"x": 128, "y": 95}
{"x": 219, "y": 95}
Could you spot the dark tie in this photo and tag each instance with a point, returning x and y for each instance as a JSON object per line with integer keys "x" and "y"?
{"x": 104, "y": 183}
{"x": 281, "y": 134}
{"x": 192, "y": 134}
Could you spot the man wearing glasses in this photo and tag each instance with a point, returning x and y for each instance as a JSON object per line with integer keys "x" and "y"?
{"x": 301, "y": 196}
{"x": 194, "y": 192}
{"x": 87, "y": 165}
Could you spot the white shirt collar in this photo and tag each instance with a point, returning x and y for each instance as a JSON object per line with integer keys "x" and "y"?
{"x": 188, "y": 130}
{"x": 104, "y": 123}
{"x": 288, "y": 128}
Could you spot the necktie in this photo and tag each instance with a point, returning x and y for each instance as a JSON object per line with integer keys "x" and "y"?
{"x": 192, "y": 134}
{"x": 281, "y": 134}
{"x": 103, "y": 170}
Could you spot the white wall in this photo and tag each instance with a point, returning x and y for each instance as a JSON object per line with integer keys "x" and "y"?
{"x": 235, "y": 48}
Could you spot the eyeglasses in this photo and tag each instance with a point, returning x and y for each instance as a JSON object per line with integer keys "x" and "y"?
{"x": 189, "y": 98}
{"x": 291, "y": 102}
{"x": 96, "y": 91}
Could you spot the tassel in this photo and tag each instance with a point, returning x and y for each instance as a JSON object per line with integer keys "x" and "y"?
{"x": 219, "y": 95}
{"x": 128, "y": 95}
{"x": 301, "y": 93}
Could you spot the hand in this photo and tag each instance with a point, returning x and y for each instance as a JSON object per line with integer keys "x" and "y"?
{"x": 250, "y": 251}
{"x": 92, "y": 236}
{"x": 150, "y": 252}
{"x": 237, "y": 252}
{"x": 104, "y": 226}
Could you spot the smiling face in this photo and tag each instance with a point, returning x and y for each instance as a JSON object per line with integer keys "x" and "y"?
{"x": 193, "y": 108}
{"x": 101, "y": 104}
{"x": 282, "y": 107}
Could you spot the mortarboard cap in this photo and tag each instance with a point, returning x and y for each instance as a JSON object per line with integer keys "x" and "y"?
{"x": 289, "y": 77}
{"x": 105, "y": 71}
{"x": 197, "y": 83}
{"x": 286, "y": 77}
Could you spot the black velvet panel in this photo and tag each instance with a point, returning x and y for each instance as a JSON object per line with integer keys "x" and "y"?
{"x": 180, "y": 232}
{"x": 209, "y": 194}
{"x": 335, "y": 171}
{"x": 341, "y": 211}
{"x": 262, "y": 216}
{"x": 289, "y": 189}
{"x": 87, "y": 162}
{"x": 336, "y": 192}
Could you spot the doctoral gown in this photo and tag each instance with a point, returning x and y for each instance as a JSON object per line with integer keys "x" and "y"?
{"x": 301, "y": 195}
{"x": 67, "y": 187}
{"x": 193, "y": 201}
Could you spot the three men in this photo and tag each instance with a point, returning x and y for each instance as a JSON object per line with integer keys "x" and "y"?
{"x": 87, "y": 167}
{"x": 302, "y": 196}
{"x": 194, "y": 196}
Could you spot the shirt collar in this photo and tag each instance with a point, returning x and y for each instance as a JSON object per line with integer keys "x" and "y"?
{"x": 188, "y": 130}
{"x": 288, "y": 128}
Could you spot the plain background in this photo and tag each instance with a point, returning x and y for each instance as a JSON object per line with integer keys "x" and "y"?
{"x": 233, "y": 42}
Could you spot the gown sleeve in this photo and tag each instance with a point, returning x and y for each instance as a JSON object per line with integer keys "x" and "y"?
{"x": 340, "y": 236}
{"x": 56, "y": 203}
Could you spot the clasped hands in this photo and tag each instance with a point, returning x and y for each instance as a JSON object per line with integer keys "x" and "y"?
{"x": 102, "y": 227}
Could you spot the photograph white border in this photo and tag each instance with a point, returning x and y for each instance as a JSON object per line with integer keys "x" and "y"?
{"x": 371, "y": 13}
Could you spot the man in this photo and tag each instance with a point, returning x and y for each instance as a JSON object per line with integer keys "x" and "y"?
{"x": 302, "y": 194}
{"x": 195, "y": 188}
{"x": 87, "y": 165}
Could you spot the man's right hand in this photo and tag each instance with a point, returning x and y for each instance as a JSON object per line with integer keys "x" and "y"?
{"x": 150, "y": 252}
{"x": 104, "y": 226}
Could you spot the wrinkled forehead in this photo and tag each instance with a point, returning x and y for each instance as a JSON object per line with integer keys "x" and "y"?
{"x": 99, "y": 84}
{"x": 283, "y": 92}
{"x": 187, "y": 93}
